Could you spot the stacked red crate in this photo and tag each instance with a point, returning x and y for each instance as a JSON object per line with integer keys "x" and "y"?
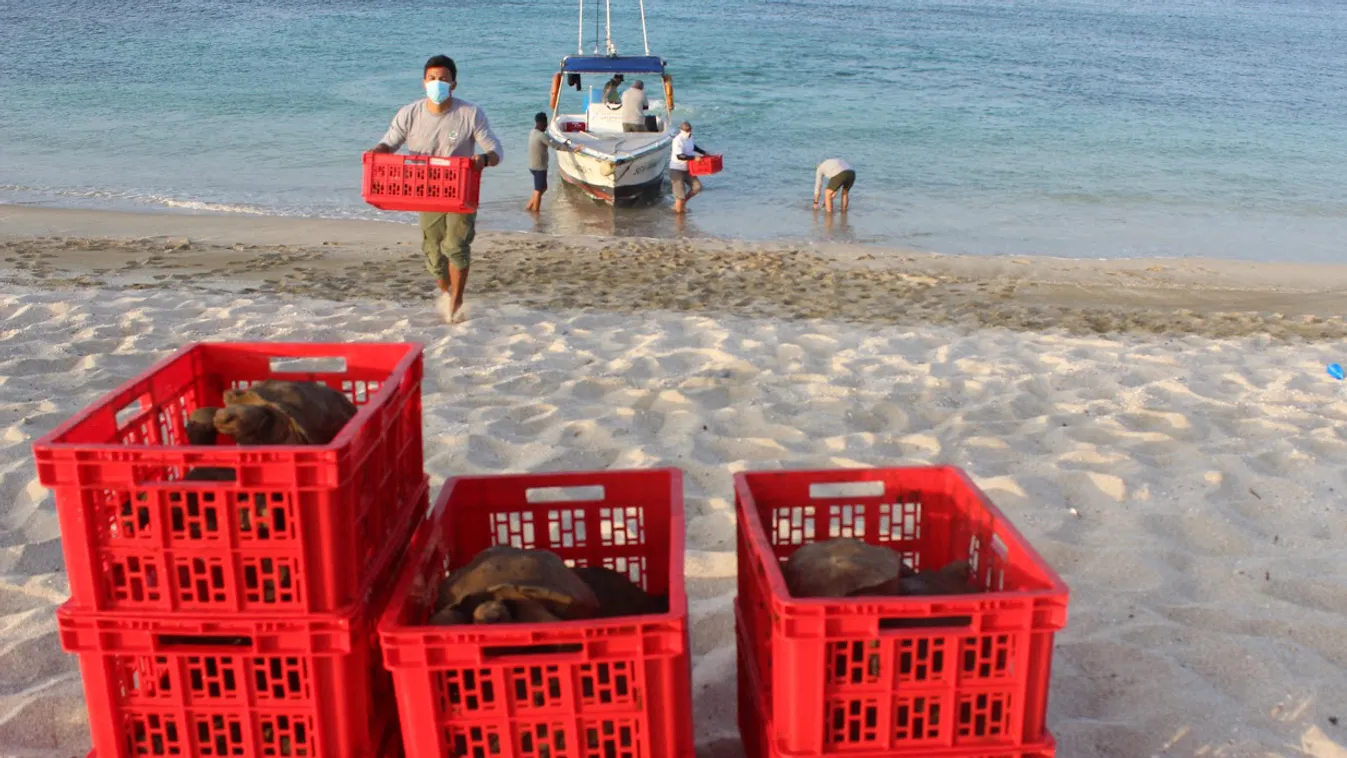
{"x": 236, "y": 617}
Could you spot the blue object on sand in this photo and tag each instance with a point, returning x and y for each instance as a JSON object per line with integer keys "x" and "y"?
{"x": 1335, "y": 371}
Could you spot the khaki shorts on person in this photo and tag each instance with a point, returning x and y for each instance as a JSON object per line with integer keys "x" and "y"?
{"x": 683, "y": 183}
{"x": 626, "y": 127}
{"x": 842, "y": 180}
{"x": 446, "y": 239}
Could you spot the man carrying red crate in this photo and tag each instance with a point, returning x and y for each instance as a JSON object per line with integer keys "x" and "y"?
{"x": 444, "y": 126}
{"x": 685, "y": 185}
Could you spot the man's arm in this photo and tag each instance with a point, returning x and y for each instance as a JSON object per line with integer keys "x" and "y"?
{"x": 818, "y": 182}
{"x": 394, "y": 137}
{"x": 698, "y": 149}
{"x": 492, "y": 152}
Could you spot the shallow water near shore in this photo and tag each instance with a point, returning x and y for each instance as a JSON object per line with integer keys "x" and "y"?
{"x": 1082, "y": 128}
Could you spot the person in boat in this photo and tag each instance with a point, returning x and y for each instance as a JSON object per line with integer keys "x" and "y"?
{"x": 634, "y": 106}
{"x": 610, "y": 93}
{"x": 840, "y": 176}
{"x": 538, "y": 160}
{"x": 685, "y": 185}
{"x": 445, "y": 126}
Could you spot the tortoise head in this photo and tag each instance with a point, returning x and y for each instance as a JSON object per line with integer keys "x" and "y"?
{"x": 491, "y": 612}
{"x": 201, "y": 427}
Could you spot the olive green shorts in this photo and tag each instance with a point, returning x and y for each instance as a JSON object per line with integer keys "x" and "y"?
{"x": 683, "y": 183}
{"x": 446, "y": 239}
{"x": 842, "y": 180}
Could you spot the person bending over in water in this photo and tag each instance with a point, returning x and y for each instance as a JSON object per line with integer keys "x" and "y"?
{"x": 445, "y": 126}
{"x": 840, "y": 176}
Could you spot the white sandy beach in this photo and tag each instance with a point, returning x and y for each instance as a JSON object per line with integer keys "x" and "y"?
{"x": 1189, "y": 489}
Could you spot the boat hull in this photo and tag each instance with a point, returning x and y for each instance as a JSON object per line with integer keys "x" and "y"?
{"x": 628, "y": 183}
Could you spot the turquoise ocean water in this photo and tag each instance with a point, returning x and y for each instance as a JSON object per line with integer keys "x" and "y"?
{"x": 1086, "y": 128}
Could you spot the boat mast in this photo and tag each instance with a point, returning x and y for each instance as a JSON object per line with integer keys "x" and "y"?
{"x": 644, "y": 36}
{"x": 609, "y": 48}
{"x": 580, "y": 35}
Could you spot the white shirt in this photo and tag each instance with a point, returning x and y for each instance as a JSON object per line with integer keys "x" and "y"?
{"x": 827, "y": 170}
{"x": 682, "y": 145}
{"x": 633, "y": 106}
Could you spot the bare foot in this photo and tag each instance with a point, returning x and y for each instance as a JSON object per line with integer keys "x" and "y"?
{"x": 460, "y": 315}
{"x": 444, "y": 304}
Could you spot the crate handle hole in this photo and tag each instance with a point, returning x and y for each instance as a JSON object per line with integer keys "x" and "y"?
{"x": 999, "y": 546}
{"x": 132, "y": 410}
{"x": 203, "y": 640}
{"x": 510, "y": 651}
{"x": 936, "y": 622}
{"x": 564, "y": 494}
{"x": 296, "y": 365}
{"x": 833, "y": 490}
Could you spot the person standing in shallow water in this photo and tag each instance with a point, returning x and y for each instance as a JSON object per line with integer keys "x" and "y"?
{"x": 685, "y": 185}
{"x": 445, "y": 126}
{"x": 539, "y": 160}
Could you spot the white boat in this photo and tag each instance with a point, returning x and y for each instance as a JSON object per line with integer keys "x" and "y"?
{"x": 593, "y": 152}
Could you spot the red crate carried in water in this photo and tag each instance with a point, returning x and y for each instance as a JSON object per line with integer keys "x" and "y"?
{"x": 300, "y": 528}
{"x": 903, "y": 676}
{"x": 394, "y": 182}
{"x": 602, "y": 688}
{"x": 705, "y": 165}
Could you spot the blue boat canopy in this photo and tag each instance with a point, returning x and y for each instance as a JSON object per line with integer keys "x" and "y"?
{"x": 617, "y": 64}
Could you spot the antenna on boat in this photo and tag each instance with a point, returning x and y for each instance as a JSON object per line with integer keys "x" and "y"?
{"x": 580, "y": 35}
{"x": 609, "y": 47}
{"x": 644, "y": 36}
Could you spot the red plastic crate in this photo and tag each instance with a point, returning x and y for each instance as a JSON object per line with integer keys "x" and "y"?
{"x": 394, "y": 182}
{"x": 754, "y": 730}
{"x": 225, "y": 685}
{"x": 852, "y": 675}
{"x": 392, "y": 747}
{"x": 706, "y": 164}
{"x": 616, "y": 688}
{"x": 300, "y": 530}
{"x": 191, "y": 686}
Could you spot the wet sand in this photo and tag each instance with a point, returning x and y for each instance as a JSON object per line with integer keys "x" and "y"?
{"x": 347, "y": 260}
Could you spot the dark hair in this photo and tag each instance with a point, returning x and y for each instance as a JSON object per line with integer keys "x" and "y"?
{"x": 442, "y": 61}
{"x": 540, "y": 118}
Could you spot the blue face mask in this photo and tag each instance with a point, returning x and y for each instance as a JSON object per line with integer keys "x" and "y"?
{"x": 437, "y": 91}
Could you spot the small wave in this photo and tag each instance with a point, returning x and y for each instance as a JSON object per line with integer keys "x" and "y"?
{"x": 131, "y": 198}
{"x": 201, "y": 205}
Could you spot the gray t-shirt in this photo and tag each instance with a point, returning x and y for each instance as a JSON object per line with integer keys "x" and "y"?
{"x": 827, "y": 170}
{"x": 444, "y": 135}
{"x": 538, "y": 144}
{"x": 634, "y": 106}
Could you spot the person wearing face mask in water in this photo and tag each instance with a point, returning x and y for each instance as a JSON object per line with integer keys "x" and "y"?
{"x": 445, "y": 126}
{"x": 685, "y": 185}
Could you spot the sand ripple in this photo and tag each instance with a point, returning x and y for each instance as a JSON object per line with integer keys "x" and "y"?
{"x": 1186, "y": 488}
